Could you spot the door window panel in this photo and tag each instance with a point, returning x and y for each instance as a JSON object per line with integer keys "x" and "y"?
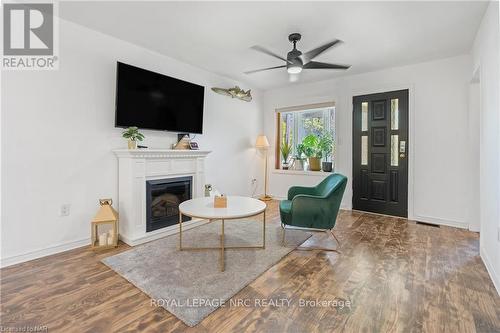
{"x": 394, "y": 150}
{"x": 395, "y": 114}
{"x": 364, "y": 150}
{"x": 364, "y": 116}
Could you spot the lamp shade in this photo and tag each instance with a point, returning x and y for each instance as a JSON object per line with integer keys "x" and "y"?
{"x": 261, "y": 142}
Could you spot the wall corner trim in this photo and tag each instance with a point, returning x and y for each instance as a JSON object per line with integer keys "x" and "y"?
{"x": 495, "y": 276}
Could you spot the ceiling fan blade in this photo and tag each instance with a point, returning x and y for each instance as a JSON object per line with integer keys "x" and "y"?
{"x": 324, "y": 65}
{"x": 266, "y": 51}
{"x": 264, "y": 69}
{"x": 308, "y": 56}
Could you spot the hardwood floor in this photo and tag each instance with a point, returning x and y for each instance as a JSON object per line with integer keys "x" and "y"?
{"x": 399, "y": 277}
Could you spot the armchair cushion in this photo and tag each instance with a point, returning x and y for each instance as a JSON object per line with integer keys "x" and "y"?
{"x": 314, "y": 207}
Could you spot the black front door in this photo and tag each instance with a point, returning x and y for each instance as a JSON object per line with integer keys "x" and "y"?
{"x": 380, "y": 153}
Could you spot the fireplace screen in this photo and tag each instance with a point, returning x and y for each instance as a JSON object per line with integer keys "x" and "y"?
{"x": 163, "y": 197}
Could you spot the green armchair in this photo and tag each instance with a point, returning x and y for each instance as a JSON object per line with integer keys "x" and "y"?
{"x": 313, "y": 208}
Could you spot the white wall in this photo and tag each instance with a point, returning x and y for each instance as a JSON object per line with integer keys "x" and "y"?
{"x": 486, "y": 59}
{"x": 438, "y": 136}
{"x": 58, "y": 133}
{"x": 473, "y": 207}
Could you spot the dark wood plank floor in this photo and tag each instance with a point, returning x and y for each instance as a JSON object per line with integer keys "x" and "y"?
{"x": 399, "y": 277}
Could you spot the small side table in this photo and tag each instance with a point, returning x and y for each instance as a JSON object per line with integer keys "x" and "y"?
{"x": 106, "y": 215}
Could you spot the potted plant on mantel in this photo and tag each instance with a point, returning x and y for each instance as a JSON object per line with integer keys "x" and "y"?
{"x": 298, "y": 159}
{"x": 133, "y": 135}
{"x": 312, "y": 151}
{"x": 286, "y": 148}
{"x": 326, "y": 146}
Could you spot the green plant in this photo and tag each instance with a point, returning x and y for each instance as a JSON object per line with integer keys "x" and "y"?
{"x": 286, "y": 149}
{"x": 326, "y": 144}
{"x": 133, "y": 134}
{"x": 311, "y": 146}
{"x": 299, "y": 151}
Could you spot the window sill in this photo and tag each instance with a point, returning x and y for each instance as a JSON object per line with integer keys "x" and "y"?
{"x": 302, "y": 173}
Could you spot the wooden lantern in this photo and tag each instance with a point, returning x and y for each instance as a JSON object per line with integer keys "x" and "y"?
{"x": 220, "y": 201}
{"x": 105, "y": 216}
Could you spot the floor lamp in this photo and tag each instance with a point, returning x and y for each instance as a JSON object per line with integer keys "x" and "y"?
{"x": 263, "y": 144}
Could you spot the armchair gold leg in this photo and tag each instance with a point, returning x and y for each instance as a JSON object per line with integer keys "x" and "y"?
{"x": 307, "y": 248}
{"x": 283, "y": 236}
{"x": 338, "y": 242}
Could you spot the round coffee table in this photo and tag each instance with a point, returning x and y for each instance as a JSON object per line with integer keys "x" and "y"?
{"x": 237, "y": 208}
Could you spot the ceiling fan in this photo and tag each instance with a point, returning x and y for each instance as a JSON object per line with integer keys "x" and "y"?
{"x": 296, "y": 61}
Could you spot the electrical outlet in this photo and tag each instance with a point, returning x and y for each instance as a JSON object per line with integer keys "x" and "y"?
{"x": 64, "y": 211}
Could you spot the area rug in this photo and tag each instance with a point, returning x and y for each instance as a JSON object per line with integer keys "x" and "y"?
{"x": 190, "y": 284}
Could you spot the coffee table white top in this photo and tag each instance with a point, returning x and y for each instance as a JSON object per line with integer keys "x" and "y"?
{"x": 237, "y": 207}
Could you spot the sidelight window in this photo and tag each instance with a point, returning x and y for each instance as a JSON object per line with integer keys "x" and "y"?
{"x": 395, "y": 114}
{"x": 364, "y": 116}
{"x": 364, "y": 150}
{"x": 394, "y": 150}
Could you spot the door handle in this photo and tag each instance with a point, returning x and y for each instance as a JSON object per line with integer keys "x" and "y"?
{"x": 402, "y": 149}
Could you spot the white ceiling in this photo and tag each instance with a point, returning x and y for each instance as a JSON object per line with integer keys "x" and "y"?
{"x": 217, "y": 36}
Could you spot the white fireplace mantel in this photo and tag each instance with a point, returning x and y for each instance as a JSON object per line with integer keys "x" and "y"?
{"x": 135, "y": 167}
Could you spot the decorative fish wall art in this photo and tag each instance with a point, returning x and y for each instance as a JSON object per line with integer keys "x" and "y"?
{"x": 235, "y": 92}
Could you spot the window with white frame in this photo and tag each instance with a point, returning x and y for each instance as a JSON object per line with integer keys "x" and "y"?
{"x": 297, "y": 124}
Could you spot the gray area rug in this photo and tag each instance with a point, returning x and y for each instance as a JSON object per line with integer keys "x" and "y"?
{"x": 179, "y": 281}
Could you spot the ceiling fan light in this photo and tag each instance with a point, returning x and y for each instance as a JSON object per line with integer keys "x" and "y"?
{"x": 294, "y": 69}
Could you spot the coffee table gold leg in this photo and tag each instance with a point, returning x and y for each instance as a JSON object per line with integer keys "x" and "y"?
{"x": 264, "y": 231}
{"x": 222, "y": 248}
{"x": 180, "y": 231}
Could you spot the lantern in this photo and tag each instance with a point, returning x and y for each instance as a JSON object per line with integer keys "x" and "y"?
{"x": 102, "y": 235}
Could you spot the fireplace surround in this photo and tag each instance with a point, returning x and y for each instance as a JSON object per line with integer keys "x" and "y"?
{"x": 137, "y": 168}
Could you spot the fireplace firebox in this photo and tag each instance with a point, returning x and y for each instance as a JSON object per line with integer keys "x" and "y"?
{"x": 163, "y": 197}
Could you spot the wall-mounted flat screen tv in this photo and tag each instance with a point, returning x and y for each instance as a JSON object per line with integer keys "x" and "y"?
{"x": 151, "y": 100}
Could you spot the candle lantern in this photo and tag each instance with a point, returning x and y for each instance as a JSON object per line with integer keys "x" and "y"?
{"x": 104, "y": 226}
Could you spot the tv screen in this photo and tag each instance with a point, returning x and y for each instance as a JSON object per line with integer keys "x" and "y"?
{"x": 150, "y": 100}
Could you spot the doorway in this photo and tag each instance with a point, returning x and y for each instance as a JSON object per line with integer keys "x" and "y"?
{"x": 380, "y": 153}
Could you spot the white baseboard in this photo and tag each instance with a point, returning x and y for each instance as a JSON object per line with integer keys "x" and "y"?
{"x": 163, "y": 232}
{"x": 474, "y": 228}
{"x": 495, "y": 277}
{"x": 12, "y": 260}
{"x": 36, "y": 254}
{"x": 440, "y": 221}
{"x": 345, "y": 206}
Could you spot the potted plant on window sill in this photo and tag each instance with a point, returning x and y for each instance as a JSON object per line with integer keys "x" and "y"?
{"x": 298, "y": 159}
{"x": 286, "y": 148}
{"x": 133, "y": 135}
{"x": 326, "y": 146}
{"x": 313, "y": 152}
